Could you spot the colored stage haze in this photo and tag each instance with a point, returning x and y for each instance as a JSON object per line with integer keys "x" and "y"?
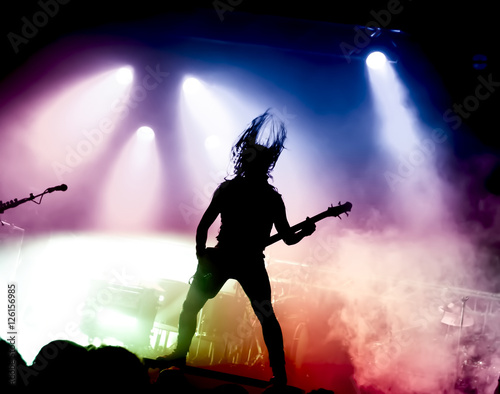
{"x": 387, "y": 281}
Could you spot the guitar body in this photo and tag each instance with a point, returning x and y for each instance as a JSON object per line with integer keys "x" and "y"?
{"x": 210, "y": 273}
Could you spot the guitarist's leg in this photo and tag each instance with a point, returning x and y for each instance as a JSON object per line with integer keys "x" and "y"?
{"x": 193, "y": 303}
{"x": 258, "y": 289}
{"x": 196, "y": 298}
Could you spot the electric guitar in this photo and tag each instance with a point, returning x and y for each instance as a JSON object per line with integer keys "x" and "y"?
{"x": 330, "y": 212}
{"x": 208, "y": 270}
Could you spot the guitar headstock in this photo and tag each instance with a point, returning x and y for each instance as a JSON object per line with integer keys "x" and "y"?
{"x": 339, "y": 209}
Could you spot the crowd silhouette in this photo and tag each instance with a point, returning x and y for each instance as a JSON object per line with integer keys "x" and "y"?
{"x": 64, "y": 366}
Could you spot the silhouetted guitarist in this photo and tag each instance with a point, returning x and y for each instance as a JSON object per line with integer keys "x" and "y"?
{"x": 249, "y": 206}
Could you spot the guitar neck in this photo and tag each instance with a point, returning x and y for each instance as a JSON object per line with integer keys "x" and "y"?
{"x": 277, "y": 237}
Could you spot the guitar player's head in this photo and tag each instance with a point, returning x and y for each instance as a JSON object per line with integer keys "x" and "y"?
{"x": 258, "y": 148}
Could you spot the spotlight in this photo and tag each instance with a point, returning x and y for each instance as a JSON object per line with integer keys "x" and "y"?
{"x": 124, "y": 75}
{"x": 376, "y": 60}
{"x": 191, "y": 85}
{"x": 145, "y": 133}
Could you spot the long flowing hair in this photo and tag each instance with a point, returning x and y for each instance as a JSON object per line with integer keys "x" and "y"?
{"x": 259, "y": 146}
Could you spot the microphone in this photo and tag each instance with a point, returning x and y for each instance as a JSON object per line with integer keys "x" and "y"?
{"x": 62, "y": 188}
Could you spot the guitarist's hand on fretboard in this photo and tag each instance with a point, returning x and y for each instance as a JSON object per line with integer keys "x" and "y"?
{"x": 309, "y": 227}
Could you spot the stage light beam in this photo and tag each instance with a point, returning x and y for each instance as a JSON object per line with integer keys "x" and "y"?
{"x": 207, "y": 118}
{"x": 399, "y": 125}
{"x": 134, "y": 181}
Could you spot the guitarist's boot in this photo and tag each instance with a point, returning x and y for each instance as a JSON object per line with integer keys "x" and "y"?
{"x": 279, "y": 376}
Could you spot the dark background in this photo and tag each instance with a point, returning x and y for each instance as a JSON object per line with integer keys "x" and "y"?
{"x": 449, "y": 32}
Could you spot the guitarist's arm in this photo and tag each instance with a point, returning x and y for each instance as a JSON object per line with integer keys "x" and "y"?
{"x": 284, "y": 230}
{"x": 206, "y": 221}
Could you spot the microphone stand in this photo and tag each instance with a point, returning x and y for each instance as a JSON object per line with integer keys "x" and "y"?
{"x": 15, "y": 202}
